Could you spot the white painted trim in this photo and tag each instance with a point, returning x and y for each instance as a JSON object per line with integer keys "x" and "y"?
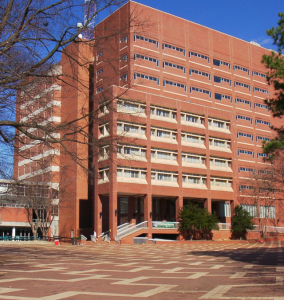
{"x": 39, "y": 172}
{"x": 39, "y": 156}
{"x": 54, "y": 87}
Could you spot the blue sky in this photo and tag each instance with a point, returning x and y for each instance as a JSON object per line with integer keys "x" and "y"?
{"x": 244, "y": 19}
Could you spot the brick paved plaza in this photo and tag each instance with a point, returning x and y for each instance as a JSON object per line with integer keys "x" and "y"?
{"x": 182, "y": 271}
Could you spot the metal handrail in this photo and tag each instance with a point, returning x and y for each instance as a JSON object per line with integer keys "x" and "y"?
{"x": 122, "y": 225}
{"x": 133, "y": 228}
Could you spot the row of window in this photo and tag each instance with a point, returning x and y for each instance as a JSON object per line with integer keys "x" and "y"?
{"x": 165, "y": 176}
{"x": 183, "y": 86}
{"x": 264, "y": 211}
{"x": 252, "y": 153}
{"x": 166, "y": 155}
{"x": 216, "y": 62}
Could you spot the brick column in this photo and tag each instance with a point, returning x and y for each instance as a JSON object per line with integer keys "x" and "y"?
{"x": 97, "y": 214}
{"x": 208, "y": 205}
{"x": 179, "y": 205}
{"x": 147, "y": 211}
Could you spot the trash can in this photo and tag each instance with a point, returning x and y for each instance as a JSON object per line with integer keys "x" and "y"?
{"x": 56, "y": 242}
{"x": 74, "y": 241}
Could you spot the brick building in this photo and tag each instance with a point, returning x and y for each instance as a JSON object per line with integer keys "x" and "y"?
{"x": 181, "y": 109}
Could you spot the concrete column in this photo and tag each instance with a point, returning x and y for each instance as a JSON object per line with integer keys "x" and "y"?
{"x": 13, "y": 232}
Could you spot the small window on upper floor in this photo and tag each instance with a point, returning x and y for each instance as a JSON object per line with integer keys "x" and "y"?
{"x": 124, "y": 39}
{"x": 218, "y": 63}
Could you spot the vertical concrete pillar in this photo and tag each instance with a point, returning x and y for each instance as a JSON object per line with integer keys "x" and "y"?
{"x": 13, "y": 232}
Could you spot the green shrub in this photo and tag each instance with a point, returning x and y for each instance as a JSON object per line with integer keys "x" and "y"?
{"x": 197, "y": 222}
{"x": 241, "y": 222}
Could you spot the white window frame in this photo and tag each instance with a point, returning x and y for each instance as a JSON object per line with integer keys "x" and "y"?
{"x": 156, "y": 181}
{"x": 155, "y": 159}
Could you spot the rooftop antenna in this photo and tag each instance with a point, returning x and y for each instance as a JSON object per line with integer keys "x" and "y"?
{"x": 89, "y": 18}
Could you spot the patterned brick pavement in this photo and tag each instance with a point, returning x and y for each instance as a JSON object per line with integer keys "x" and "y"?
{"x": 182, "y": 271}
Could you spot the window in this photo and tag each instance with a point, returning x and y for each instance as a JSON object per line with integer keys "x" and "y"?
{"x": 241, "y": 169}
{"x": 221, "y": 97}
{"x": 123, "y": 204}
{"x": 193, "y": 159}
{"x": 174, "y": 48}
{"x": 104, "y": 129}
{"x": 221, "y": 79}
{"x": 131, "y": 150}
{"x": 99, "y": 89}
{"x": 258, "y": 74}
{"x": 219, "y": 143}
{"x": 174, "y": 66}
{"x": 162, "y": 112}
{"x": 224, "y": 209}
{"x": 246, "y": 152}
{"x": 123, "y": 77}
{"x": 135, "y": 129}
{"x": 194, "y": 120}
{"x": 261, "y": 106}
{"x": 239, "y": 117}
{"x": 163, "y": 134}
{"x": 255, "y": 89}
{"x": 251, "y": 209}
{"x": 167, "y": 177}
{"x": 218, "y": 63}
{"x": 100, "y": 54}
{"x": 245, "y": 135}
{"x": 267, "y": 212}
{"x": 262, "y": 138}
{"x": 192, "y": 71}
{"x": 216, "y": 124}
{"x": 103, "y": 175}
{"x": 128, "y": 173}
{"x": 263, "y": 155}
{"x": 104, "y": 152}
{"x": 156, "y": 61}
{"x": 137, "y": 75}
{"x": 124, "y": 57}
{"x": 238, "y": 100}
{"x": 262, "y": 122}
{"x": 200, "y": 91}
{"x": 139, "y": 37}
{"x": 160, "y": 154}
{"x": 241, "y": 69}
{"x": 175, "y": 84}
{"x": 100, "y": 71}
{"x": 131, "y": 107}
{"x": 216, "y": 162}
{"x": 124, "y": 39}
{"x": 242, "y": 85}
{"x": 191, "y": 179}
{"x": 245, "y": 187}
{"x": 199, "y": 55}
{"x": 189, "y": 138}
{"x": 223, "y": 183}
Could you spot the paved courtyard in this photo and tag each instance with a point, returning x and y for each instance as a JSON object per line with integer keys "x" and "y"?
{"x": 189, "y": 271}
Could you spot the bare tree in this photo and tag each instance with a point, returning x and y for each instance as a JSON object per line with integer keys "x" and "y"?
{"x": 262, "y": 191}
{"x": 35, "y": 35}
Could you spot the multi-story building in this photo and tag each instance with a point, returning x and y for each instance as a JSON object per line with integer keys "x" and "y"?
{"x": 178, "y": 116}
